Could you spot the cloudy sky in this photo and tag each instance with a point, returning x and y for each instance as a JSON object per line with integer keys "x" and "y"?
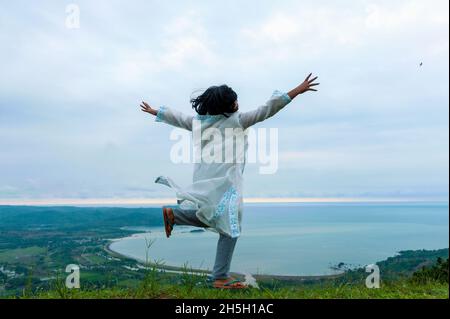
{"x": 70, "y": 126}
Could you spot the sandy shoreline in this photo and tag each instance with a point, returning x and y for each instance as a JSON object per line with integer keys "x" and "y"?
{"x": 169, "y": 268}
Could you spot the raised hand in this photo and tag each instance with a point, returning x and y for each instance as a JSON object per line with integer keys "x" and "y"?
{"x": 145, "y": 107}
{"x": 307, "y": 85}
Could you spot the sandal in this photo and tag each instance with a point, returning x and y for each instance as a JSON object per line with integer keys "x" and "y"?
{"x": 229, "y": 283}
{"x": 169, "y": 220}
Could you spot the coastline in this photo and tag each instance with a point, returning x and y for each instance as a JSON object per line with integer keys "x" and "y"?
{"x": 156, "y": 202}
{"x": 176, "y": 269}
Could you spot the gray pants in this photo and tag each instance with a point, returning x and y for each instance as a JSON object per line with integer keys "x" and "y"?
{"x": 225, "y": 245}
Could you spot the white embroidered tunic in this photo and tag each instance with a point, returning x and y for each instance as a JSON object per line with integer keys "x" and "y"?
{"x": 216, "y": 191}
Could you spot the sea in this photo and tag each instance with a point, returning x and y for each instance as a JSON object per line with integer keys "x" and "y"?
{"x": 303, "y": 239}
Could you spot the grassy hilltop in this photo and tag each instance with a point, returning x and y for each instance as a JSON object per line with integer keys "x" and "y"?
{"x": 36, "y": 244}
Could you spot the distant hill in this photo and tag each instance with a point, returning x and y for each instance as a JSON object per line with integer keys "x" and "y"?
{"x": 66, "y": 217}
{"x": 403, "y": 265}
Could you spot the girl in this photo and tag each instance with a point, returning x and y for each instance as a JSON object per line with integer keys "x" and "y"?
{"x": 214, "y": 200}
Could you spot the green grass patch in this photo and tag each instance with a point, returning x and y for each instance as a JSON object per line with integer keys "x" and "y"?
{"x": 19, "y": 254}
{"x": 398, "y": 290}
{"x": 94, "y": 259}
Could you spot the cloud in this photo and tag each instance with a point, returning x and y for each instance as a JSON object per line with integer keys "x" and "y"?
{"x": 69, "y": 116}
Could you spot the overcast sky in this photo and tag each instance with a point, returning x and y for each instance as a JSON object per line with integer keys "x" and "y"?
{"x": 70, "y": 125}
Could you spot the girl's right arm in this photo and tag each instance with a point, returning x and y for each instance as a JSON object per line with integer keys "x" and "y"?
{"x": 169, "y": 116}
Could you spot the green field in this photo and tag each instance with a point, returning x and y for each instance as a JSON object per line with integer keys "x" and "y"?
{"x": 36, "y": 244}
{"x": 23, "y": 255}
{"x": 400, "y": 290}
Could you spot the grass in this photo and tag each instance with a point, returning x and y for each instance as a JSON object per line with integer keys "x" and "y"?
{"x": 193, "y": 286}
{"x": 14, "y": 255}
{"x": 402, "y": 290}
{"x": 158, "y": 284}
{"x": 94, "y": 259}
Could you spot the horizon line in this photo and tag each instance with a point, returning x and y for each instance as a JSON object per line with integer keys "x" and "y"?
{"x": 172, "y": 201}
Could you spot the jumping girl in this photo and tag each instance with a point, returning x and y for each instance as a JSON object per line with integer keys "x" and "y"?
{"x": 214, "y": 199}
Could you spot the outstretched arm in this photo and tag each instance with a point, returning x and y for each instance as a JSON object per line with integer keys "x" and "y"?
{"x": 169, "y": 116}
{"x": 276, "y": 103}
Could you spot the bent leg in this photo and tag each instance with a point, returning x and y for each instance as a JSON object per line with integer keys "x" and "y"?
{"x": 186, "y": 217}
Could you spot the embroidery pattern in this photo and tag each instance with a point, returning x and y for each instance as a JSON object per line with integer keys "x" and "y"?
{"x": 220, "y": 208}
{"x": 284, "y": 96}
{"x": 229, "y": 200}
{"x": 233, "y": 212}
{"x": 160, "y": 115}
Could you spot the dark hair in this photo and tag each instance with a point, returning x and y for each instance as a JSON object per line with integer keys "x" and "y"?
{"x": 215, "y": 100}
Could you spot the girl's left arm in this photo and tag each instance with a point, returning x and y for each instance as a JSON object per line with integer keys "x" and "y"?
{"x": 169, "y": 116}
{"x": 278, "y": 101}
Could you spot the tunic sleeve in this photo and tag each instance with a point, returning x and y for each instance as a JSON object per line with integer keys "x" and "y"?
{"x": 174, "y": 118}
{"x": 272, "y": 106}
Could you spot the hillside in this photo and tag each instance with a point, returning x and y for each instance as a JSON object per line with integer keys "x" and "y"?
{"x": 414, "y": 280}
{"x": 36, "y": 244}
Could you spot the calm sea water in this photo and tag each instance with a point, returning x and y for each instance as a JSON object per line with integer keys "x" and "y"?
{"x": 304, "y": 239}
